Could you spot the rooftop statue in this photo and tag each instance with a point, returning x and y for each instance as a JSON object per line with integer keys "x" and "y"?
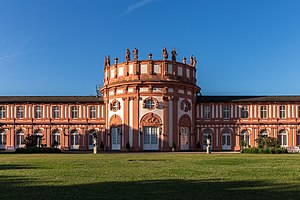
{"x": 105, "y": 61}
{"x": 174, "y": 54}
{"x": 191, "y": 60}
{"x": 195, "y": 62}
{"x": 184, "y": 60}
{"x": 135, "y": 54}
{"x": 116, "y": 60}
{"x": 165, "y": 53}
{"x": 127, "y": 57}
{"x": 150, "y": 56}
{"x": 108, "y": 61}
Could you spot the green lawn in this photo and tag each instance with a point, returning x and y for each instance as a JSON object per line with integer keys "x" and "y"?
{"x": 149, "y": 176}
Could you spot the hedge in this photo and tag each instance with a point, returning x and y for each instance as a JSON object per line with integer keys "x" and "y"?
{"x": 268, "y": 150}
{"x": 38, "y": 150}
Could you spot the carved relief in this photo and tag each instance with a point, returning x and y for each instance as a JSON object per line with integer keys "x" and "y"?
{"x": 151, "y": 119}
{"x": 115, "y": 105}
{"x": 115, "y": 120}
{"x": 185, "y": 105}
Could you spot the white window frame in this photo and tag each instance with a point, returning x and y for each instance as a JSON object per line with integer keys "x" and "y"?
{"x": 282, "y": 112}
{"x": 38, "y": 112}
{"x": 207, "y": 112}
{"x": 283, "y": 138}
{"x": 93, "y": 112}
{"x": 3, "y": 138}
{"x": 244, "y": 112}
{"x": 2, "y": 112}
{"x": 56, "y": 137}
{"x": 149, "y": 103}
{"x": 55, "y": 112}
{"x": 226, "y": 112}
{"x": 74, "y": 112}
{"x": 20, "y": 112}
{"x": 20, "y": 136}
{"x": 263, "y": 112}
{"x": 245, "y": 136}
{"x": 73, "y": 135}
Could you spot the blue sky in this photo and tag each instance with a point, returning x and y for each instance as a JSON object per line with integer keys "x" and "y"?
{"x": 243, "y": 47}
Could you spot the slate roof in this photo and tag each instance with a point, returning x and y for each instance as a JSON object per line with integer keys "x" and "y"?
{"x": 248, "y": 99}
{"x": 50, "y": 99}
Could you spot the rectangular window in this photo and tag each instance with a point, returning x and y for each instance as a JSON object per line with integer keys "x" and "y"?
{"x": 282, "y": 111}
{"x": 38, "y": 112}
{"x": 150, "y": 135}
{"x": 226, "y": 112}
{"x": 298, "y": 111}
{"x": 93, "y": 112}
{"x": 20, "y": 112}
{"x": 2, "y": 112}
{"x": 263, "y": 112}
{"x": 207, "y": 111}
{"x": 74, "y": 112}
{"x": 55, "y": 112}
{"x": 244, "y": 113}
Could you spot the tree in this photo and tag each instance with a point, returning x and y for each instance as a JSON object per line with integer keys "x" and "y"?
{"x": 32, "y": 140}
{"x": 265, "y": 142}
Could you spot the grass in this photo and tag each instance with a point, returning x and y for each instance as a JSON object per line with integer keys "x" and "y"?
{"x": 149, "y": 176}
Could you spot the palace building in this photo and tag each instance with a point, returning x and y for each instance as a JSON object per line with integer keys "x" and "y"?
{"x": 149, "y": 105}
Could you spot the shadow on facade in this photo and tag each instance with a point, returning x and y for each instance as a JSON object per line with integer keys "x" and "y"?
{"x": 25, "y": 188}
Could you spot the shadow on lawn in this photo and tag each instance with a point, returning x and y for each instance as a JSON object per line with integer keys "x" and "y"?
{"x": 21, "y": 188}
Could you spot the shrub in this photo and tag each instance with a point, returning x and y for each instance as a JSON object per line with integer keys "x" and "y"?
{"x": 102, "y": 145}
{"x": 198, "y": 146}
{"x": 127, "y": 145}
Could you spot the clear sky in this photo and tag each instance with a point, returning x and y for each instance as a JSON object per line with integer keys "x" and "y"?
{"x": 243, "y": 47}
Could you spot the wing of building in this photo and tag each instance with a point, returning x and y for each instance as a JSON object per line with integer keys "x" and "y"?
{"x": 149, "y": 105}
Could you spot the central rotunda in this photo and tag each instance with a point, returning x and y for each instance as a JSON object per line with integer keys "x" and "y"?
{"x": 150, "y": 103}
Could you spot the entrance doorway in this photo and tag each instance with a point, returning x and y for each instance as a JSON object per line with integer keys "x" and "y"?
{"x": 115, "y": 138}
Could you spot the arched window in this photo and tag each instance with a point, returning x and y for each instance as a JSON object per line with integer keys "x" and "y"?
{"x": 19, "y": 138}
{"x": 55, "y": 138}
{"x": 298, "y": 138}
{"x": 206, "y": 134}
{"x": 264, "y": 133}
{"x": 39, "y": 137}
{"x": 2, "y": 112}
{"x": 149, "y": 104}
{"x": 245, "y": 137}
{"x": 282, "y": 138}
{"x": 74, "y": 140}
{"x": 2, "y": 138}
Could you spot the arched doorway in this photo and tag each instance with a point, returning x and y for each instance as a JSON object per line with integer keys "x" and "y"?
{"x": 226, "y": 140}
{"x": 184, "y": 128}
{"x": 74, "y": 139}
{"x": 245, "y": 137}
{"x": 150, "y": 125}
{"x": 115, "y": 131}
{"x": 39, "y": 136}
{"x": 207, "y": 134}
